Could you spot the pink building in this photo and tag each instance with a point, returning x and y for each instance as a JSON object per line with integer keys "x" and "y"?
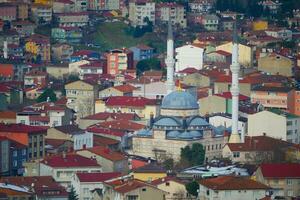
{"x": 8, "y": 12}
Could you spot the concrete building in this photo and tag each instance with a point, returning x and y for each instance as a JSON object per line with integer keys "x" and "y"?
{"x": 280, "y": 33}
{"x": 73, "y": 19}
{"x": 119, "y": 60}
{"x": 201, "y": 6}
{"x": 41, "y": 14}
{"x": 230, "y": 187}
{"x": 282, "y": 177}
{"x": 275, "y": 123}
{"x": 62, "y": 52}
{"x": 152, "y": 90}
{"x": 246, "y": 53}
{"x": 189, "y": 56}
{"x": 39, "y": 46}
{"x": 276, "y": 64}
{"x": 139, "y": 10}
{"x": 171, "y": 11}
{"x": 8, "y": 12}
{"x": 210, "y": 22}
{"x": 81, "y": 97}
{"x": 85, "y": 183}
{"x": 142, "y": 52}
{"x": 63, "y": 6}
{"x": 273, "y": 97}
{"x": 63, "y": 167}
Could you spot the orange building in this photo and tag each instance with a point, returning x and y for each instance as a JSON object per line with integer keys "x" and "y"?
{"x": 31, "y": 136}
{"x": 271, "y": 97}
{"x": 119, "y": 60}
{"x": 6, "y": 71}
{"x": 294, "y": 102}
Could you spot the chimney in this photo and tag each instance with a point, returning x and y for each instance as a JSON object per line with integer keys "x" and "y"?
{"x": 5, "y": 50}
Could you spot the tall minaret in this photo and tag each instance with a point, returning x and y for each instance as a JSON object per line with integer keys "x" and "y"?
{"x": 5, "y": 49}
{"x": 235, "y": 68}
{"x": 170, "y": 59}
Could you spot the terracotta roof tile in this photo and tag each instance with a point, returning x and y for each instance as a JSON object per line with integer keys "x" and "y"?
{"x": 116, "y": 116}
{"x": 8, "y": 115}
{"x": 104, "y": 141}
{"x": 7, "y": 70}
{"x": 281, "y": 170}
{"x": 22, "y": 128}
{"x": 124, "y": 125}
{"x": 232, "y": 183}
{"x": 125, "y": 88}
{"x": 130, "y": 185}
{"x": 129, "y": 101}
{"x": 70, "y": 160}
{"x": 107, "y": 153}
{"x": 97, "y": 177}
{"x": 166, "y": 179}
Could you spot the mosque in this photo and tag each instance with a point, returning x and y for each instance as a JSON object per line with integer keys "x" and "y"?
{"x": 178, "y": 123}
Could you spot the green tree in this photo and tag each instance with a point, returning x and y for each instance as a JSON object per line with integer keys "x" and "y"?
{"x": 47, "y": 93}
{"x": 168, "y": 163}
{"x": 192, "y": 188}
{"x": 148, "y": 64}
{"x": 194, "y": 155}
{"x": 72, "y": 194}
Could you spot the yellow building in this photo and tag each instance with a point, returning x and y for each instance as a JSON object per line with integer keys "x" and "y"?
{"x": 149, "y": 172}
{"x": 39, "y": 45}
{"x": 44, "y": 2}
{"x": 246, "y": 53}
{"x": 259, "y": 25}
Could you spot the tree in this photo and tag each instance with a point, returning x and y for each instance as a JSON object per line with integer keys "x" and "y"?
{"x": 148, "y": 64}
{"x": 48, "y": 93}
{"x": 194, "y": 155}
{"x": 168, "y": 163}
{"x": 192, "y": 188}
{"x": 72, "y": 194}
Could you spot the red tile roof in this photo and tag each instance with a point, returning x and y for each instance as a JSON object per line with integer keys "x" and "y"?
{"x": 7, "y": 70}
{"x": 55, "y": 143}
{"x": 97, "y": 177}
{"x": 4, "y": 88}
{"x": 70, "y": 160}
{"x": 143, "y": 47}
{"x": 129, "y": 101}
{"x": 125, "y": 125}
{"x": 138, "y": 163}
{"x": 7, "y": 115}
{"x": 107, "y": 153}
{"x": 227, "y": 95}
{"x": 189, "y": 70}
{"x": 224, "y": 53}
{"x": 166, "y": 179}
{"x": 281, "y": 170}
{"x": 39, "y": 118}
{"x": 22, "y": 128}
{"x": 96, "y": 129}
{"x": 42, "y": 184}
{"x": 104, "y": 141}
{"x": 125, "y": 187}
{"x": 232, "y": 183}
{"x": 125, "y": 88}
{"x": 259, "y": 143}
{"x": 116, "y": 116}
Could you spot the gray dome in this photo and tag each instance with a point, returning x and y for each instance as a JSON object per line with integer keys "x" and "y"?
{"x": 144, "y": 132}
{"x": 185, "y": 135}
{"x": 196, "y": 134}
{"x": 166, "y": 121}
{"x": 179, "y": 100}
{"x": 173, "y": 134}
{"x": 198, "y": 121}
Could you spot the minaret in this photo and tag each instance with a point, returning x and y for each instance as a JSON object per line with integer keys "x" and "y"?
{"x": 235, "y": 68}
{"x": 170, "y": 59}
{"x": 5, "y": 49}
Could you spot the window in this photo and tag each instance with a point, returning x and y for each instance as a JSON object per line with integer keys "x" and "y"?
{"x": 290, "y": 193}
{"x": 132, "y": 197}
{"x": 85, "y": 190}
{"x": 236, "y": 154}
{"x": 167, "y": 183}
{"x": 289, "y": 181}
{"x": 144, "y": 189}
{"x": 207, "y": 192}
{"x": 15, "y": 163}
{"x": 15, "y": 153}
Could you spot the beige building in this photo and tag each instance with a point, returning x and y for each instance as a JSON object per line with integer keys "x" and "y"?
{"x": 276, "y": 64}
{"x": 81, "y": 97}
{"x": 231, "y": 187}
{"x": 109, "y": 160}
{"x": 177, "y": 126}
{"x": 58, "y": 71}
{"x": 223, "y": 85}
{"x": 284, "y": 178}
{"x": 275, "y": 123}
{"x": 197, "y": 80}
{"x": 174, "y": 187}
{"x": 131, "y": 189}
{"x": 120, "y": 90}
{"x": 212, "y": 104}
{"x": 139, "y": 10}
{"x": 74, "y": 67}
{"x": 61, "y": 52}
{"x": 246, "y": 53}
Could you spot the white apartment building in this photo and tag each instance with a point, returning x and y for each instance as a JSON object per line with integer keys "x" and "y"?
{"x": 41, "y": 13}
{"x": 188, "y": 56}
{"x": 201, "y": 6}
{"x": 73, "y": 19}
{"x": 210, "y": 22}
{"x": 173, "y": 11}
{"x": 275, "y": 123}
{"x": 83, "y": 140}
{"x": 139, "y": 10}
{"x": 63, "y": 167}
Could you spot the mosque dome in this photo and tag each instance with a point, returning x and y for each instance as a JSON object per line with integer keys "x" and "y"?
{"x": 196, "y": 134}
{"x": 186, "y": 135}
{"x": 173, "y": 134}
{"x": 144, "y": 133}
{"x": 198, "y": 121}
{"x": 166, "y": 121}
{"x": 179, "y": 100}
